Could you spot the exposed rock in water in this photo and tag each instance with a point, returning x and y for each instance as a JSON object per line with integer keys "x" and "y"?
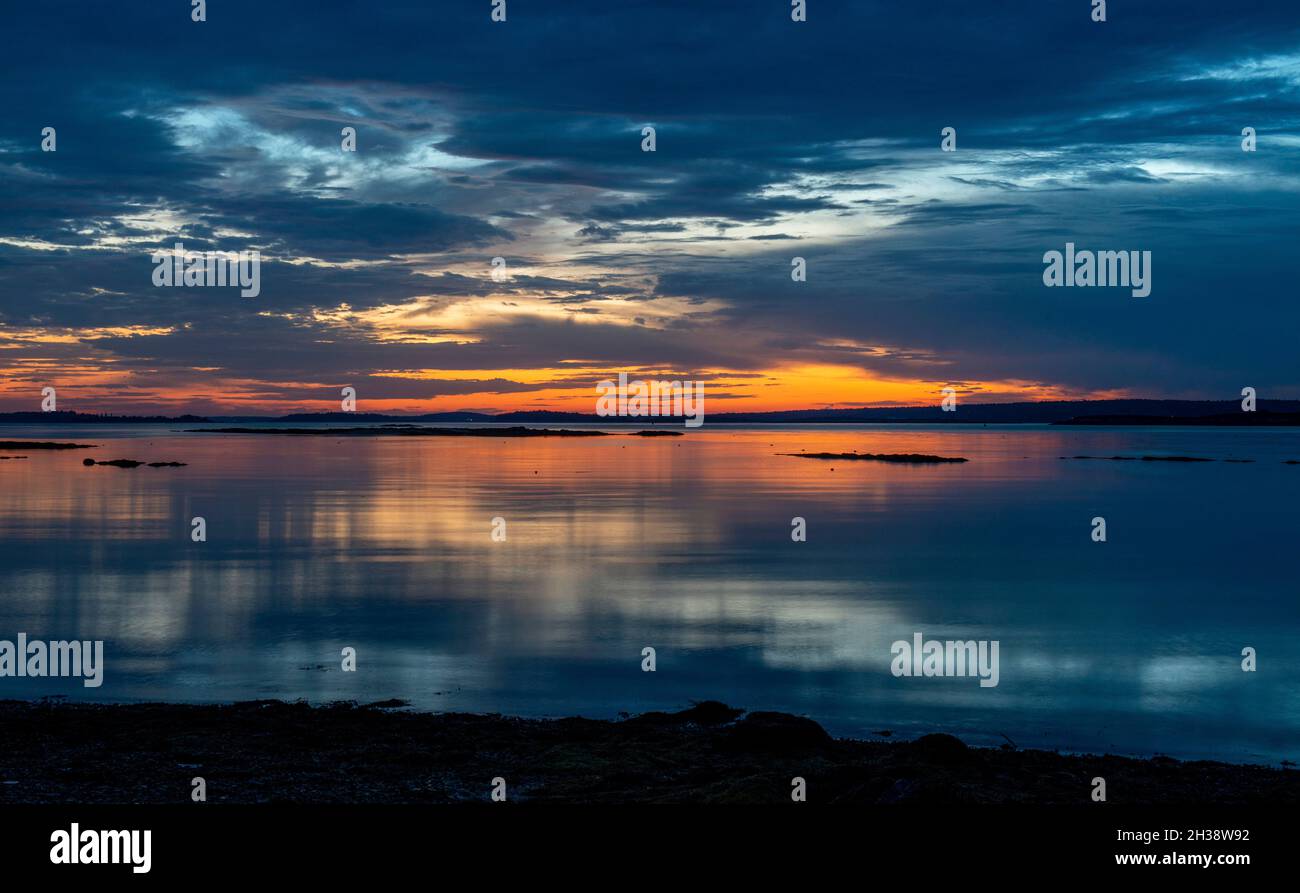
{"x": 705, "y": 713}
{"x": 709, "y": 713}
{"x": 904, "y": 458}
{"x": 132, "y": 463}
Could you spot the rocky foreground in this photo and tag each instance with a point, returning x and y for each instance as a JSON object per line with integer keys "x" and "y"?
{"x": 271, "y": 751}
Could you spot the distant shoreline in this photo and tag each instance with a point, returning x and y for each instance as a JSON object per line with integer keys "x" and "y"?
{"x": 1122, "y": 412}
{"x": 252, "y": 752}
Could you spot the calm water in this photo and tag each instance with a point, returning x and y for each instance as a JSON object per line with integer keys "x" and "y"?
{"x": 683, "y": 544}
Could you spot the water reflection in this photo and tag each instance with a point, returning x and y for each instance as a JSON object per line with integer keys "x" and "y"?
{"x": 684, "y": 544}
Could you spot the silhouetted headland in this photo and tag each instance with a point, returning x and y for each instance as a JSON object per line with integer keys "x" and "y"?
{"x": 1122, "y": 411}
{"x": 1236, "y": 419}
{"x": 406, "y": 431}
{"x": 46, "y": 445}
{"x": 92, "y": 418}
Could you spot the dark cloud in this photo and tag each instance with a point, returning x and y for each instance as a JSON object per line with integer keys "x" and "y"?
{"x": 523, "y": 139}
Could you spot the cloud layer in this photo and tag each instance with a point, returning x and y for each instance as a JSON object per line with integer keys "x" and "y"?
{"x": 522, "y": 140}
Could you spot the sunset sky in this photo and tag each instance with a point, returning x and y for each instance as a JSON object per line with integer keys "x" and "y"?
{"x": 522, "y": 140}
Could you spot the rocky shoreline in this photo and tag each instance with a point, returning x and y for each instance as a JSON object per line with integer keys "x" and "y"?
{"x": 276, "y": 752}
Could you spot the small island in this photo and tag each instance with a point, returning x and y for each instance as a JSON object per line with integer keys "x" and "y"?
{"x": 901, "y": 458}
{"x": 132, "y": 463}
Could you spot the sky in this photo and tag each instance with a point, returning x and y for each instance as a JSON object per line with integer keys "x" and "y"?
{"x": 522, "y": 139}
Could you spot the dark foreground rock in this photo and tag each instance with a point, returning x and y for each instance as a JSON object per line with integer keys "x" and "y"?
{"x": 271, "y": 751}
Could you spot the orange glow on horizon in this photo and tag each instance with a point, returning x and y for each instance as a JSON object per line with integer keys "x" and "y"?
{"x": 112, "y": 389}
